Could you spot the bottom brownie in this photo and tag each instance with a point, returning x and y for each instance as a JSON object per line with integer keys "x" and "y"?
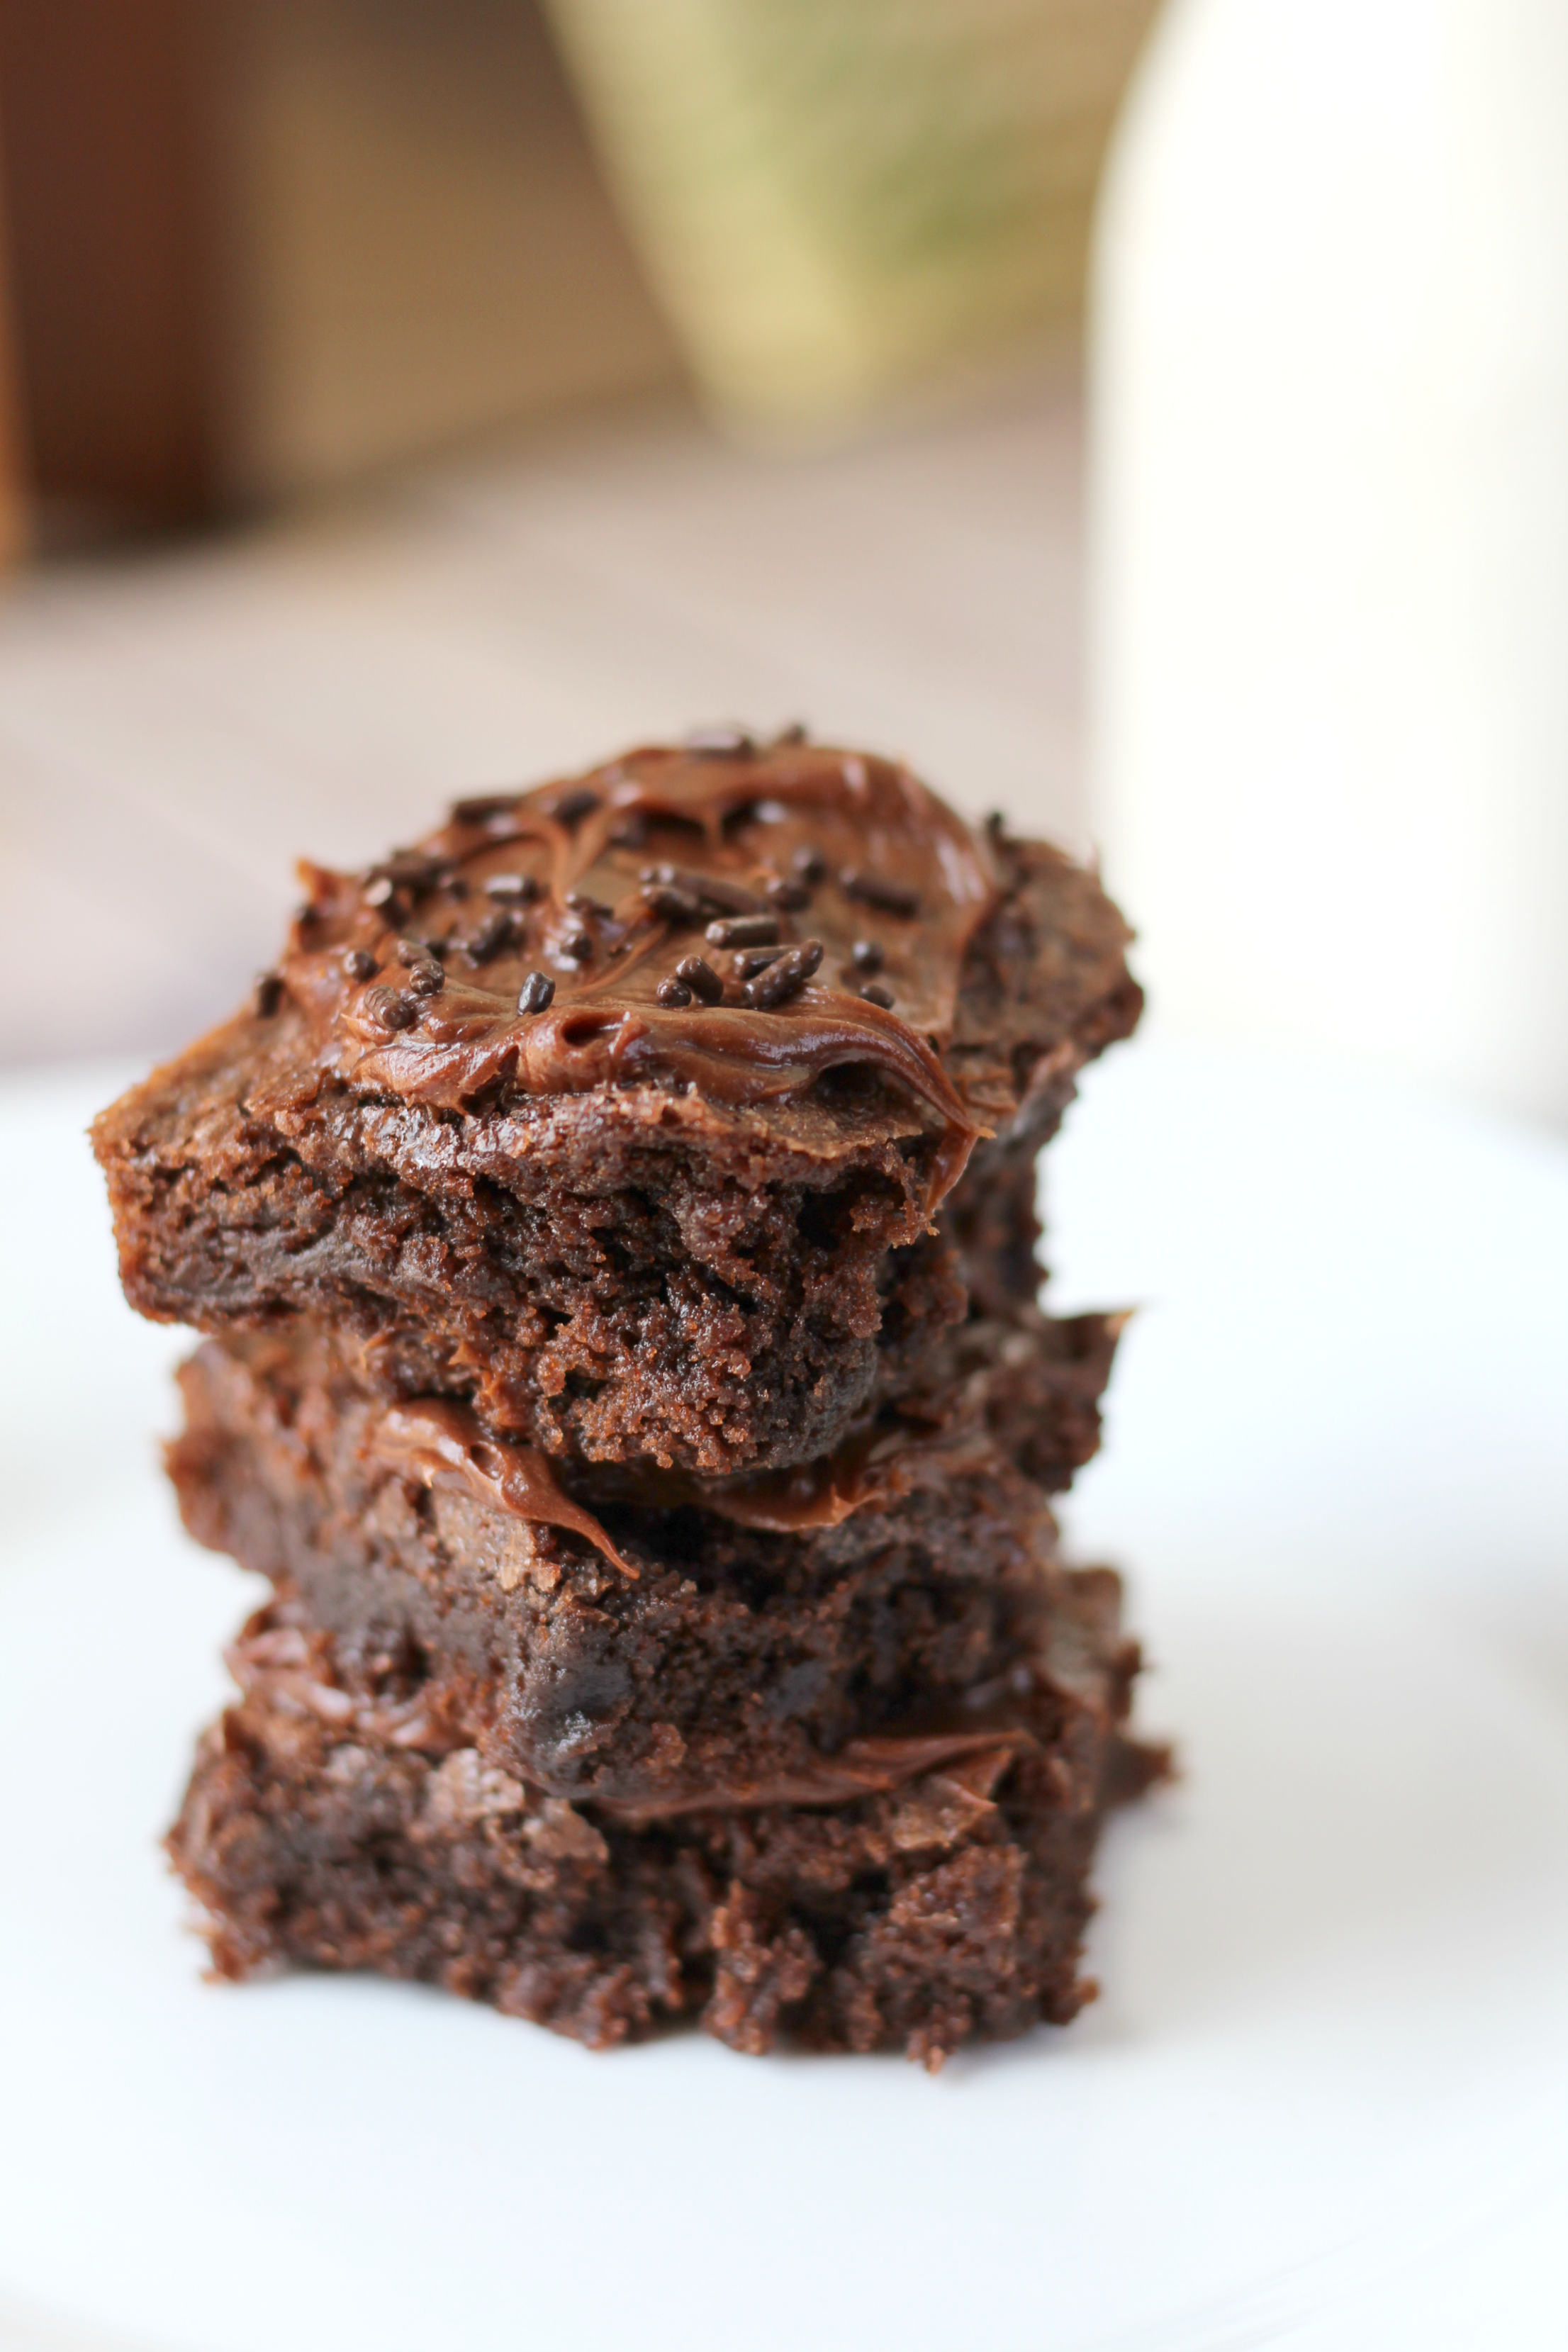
{"x": 931, "y": 1888}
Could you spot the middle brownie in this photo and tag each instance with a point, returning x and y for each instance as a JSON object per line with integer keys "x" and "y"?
{"x": 657, "y": 1650}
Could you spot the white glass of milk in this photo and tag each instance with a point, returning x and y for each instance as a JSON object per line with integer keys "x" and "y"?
{"x": 1329, "y": 499}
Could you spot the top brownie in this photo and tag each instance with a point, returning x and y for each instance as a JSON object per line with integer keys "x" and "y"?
{"x": 662, "y": 1114}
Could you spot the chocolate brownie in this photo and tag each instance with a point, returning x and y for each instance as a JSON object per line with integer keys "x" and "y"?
{"x": 934, "y": 1890}
{"x": 660, "y": 1636}
{"x": 627, "y": 1110}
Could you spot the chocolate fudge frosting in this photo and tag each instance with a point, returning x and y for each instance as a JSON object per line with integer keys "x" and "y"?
{"x": 734, "y": 920}
{"x": 1081, "y": 1659}
{"x": 441, "y": 1443}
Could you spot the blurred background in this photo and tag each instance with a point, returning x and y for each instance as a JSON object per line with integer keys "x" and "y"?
{"x": 1149, "y": 416}
{"x": 402, "y": 397}
{"x": 409, "y": 396}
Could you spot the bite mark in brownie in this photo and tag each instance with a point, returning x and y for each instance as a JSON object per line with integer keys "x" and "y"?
{"x": 625, "y": 1226}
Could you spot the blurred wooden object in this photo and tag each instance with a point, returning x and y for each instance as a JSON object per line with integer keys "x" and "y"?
{"x": 262, "y": 246}
{"x": 422, "y": 246}
{"x": 111, "y": 291}
{"x": 15, "y": 532}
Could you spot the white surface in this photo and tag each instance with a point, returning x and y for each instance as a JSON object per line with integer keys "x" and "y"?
{"x": 1330, "y": 530}
{"x": 1322, "y": 2101}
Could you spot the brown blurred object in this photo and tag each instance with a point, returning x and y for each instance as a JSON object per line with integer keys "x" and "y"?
{"x": 13, "y": 533}
{"x": 423, "y": 247}
{"x": 261, "y": 247}
{"x": 108, "y": 212}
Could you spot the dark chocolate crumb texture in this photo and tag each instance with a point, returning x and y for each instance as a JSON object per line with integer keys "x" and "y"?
{"x": 652, "y": 1641}
{"x": 943, "y": 1895}
{"x": 665, "y": 1115}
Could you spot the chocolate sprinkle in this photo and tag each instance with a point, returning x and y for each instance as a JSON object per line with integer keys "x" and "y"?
{"x": 790, "y": 896}
{"x": 269, "y": 994}
{"x": 380, "y": 892}
{"x": 427, "y": 980}
{"x": 795, "y": 732}
{"x": 758, "y": 959}
{"x": 711, "y": 889}
{"x": 582, "y": 904}
{"x": 579, "y": 946}
{"x": 866, "y": 955}
{"x": 744, "y": 931}
{"x": 482, "y": 806}
{"x": 415, "y": 868}
{"x": 493, "y": 934}
{"x": 522, "y": 887}
{"x": 675, "y": 906}
{"x": 810, "y": 864}
{"x": 390, "y": 1011}
{"x": 786, "y": 978}
{"x": 537, "y": 992}
{"x": 360, "y": 964}
{"x": 673, "y": 992}
{"x": 701, "y": 978}
{"x": 410, "y": 951}
{"x": 879, "y": 890}
{"x": 568, "y": 807}
{"x": 877, "y": 994}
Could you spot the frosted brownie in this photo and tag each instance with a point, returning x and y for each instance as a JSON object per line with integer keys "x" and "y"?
{"x": 939, "y": 1892}
{"x": 663, "y": 1114}
{"x": 640, "y": 1636}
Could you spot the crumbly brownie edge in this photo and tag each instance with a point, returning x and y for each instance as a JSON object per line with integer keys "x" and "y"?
{"x": 623, "y": 1276}
{"x": 951, "y": 1906}
{"x": 614, "y": 1287}
{"x": 735, "y": 1649}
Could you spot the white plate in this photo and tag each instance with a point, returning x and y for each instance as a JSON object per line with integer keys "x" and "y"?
{"x": 1324, "y": 2097}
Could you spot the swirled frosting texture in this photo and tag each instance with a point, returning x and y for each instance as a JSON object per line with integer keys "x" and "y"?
{"x": 727, "y": 920}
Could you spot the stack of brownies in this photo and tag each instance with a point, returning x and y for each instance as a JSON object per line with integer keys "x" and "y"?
{"x": 614, "y": 1220}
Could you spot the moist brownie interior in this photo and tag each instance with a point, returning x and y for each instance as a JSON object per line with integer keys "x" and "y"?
{"x": 477, "y": 1120}
{"x": 945, "y": 1898}
{"x": 658, "y": 1646}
